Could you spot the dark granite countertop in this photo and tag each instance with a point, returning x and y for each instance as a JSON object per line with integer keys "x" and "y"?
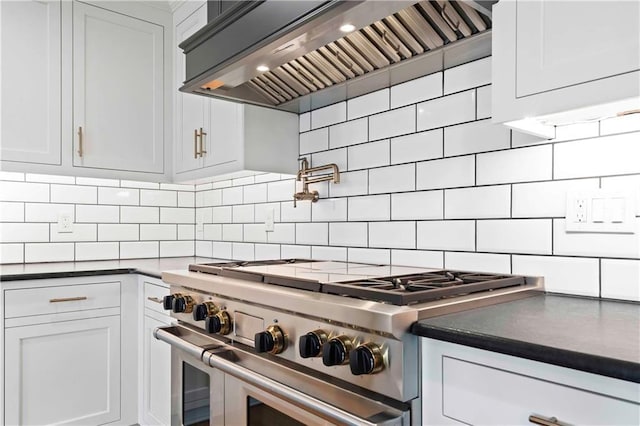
{"x": 592, "y": 335}
{"x": 150, "y": 267}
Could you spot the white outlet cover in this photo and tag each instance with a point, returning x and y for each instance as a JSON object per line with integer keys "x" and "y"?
{"x": 269, "y": 220}
{"x": 65, "y": 224}
{"x": 601, "y": 211}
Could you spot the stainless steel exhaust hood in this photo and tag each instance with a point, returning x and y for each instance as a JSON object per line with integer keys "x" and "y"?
{"x": 293, "y": 55}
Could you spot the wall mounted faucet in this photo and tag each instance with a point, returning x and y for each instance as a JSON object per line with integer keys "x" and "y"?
{"x": 304, "y": 177}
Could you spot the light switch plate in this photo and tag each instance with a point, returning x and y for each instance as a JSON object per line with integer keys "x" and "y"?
{"x": 601, "y": 211}
{"x": 65, "y": 224}
{"x": 269, "y": 220}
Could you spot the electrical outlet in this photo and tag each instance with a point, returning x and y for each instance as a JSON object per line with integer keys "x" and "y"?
{"x": 601, "y": 211}
{"x": 65, "y": 224}
{"x": 200, "y": 227}
{"x": 269, "y": 220}
{"x": 580, "y": 215}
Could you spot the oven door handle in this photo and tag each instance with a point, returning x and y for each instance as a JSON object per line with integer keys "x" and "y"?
{"x": 163, "y": 334}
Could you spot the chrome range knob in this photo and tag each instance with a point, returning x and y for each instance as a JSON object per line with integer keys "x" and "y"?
{"x": 204, "y": 310}
{"x": 310, "y": 345}
{"x": 272, "y": 340}
{"x": 336, "y": 351}
{"x": 182, "y": 303}
{"x": 366, "y": 359}
{"x": 219, "y": 323}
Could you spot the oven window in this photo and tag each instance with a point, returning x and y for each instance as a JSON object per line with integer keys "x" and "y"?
{"x": 260, "y": 414}
{"x": 195, "y": 396}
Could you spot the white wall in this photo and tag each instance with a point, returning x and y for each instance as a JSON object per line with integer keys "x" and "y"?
{"x": 427, "y": 180}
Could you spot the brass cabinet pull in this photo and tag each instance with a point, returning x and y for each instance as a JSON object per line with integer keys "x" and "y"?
{"x": 154, "y": 299}
{"x": 551, "y": 421}
{"x": 68, "y": 299}
{"x": 80, "y": 151}
{"x": 195, "y": 143}
{"x": 202, "y": 150}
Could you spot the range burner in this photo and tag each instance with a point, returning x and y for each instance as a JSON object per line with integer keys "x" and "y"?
{"x": 418, "y": 288}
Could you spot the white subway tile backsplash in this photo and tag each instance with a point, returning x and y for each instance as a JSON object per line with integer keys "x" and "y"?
{"x": 478, "y": 262}
{"x": 32, "y": 177}
{"x": 157, "y": 232}
{"x": 177, "y": 248}
{"x": 620, "y": 279}
{"x": 40, "y": 212}
{"x": 186, "y": 199}
{"x": 351, "y": 183}
{"x": 119, "y": 196}
{"x": 254, "y": 233}
{"x": 577, "y": 131}
{"x": 446, "y": 173}
{"x": 392, "y": 234}
{"x": 515, "y": 165}
{"x": 139, "y": 249}
{"x": 267, "y": 251}
{"x": 204, "y": 248}
{"x": 243, "y": 214}
{"x": 97, "y": 251}
{"x": 21, "y": 191}
{"x": 483, "y": 99}
{"x": 368, "y": 104}
{"x": 623, "y": 124}
{"x": 300, "y": 213}
{"x": 222, "y": 250}
{"x": 471, "y": 74}
{"x": 373, "y": 154}
{"x": 212, "y": 198}
{"x": 416, "y": 147}
{"x": 261, "y": 212}
{"x": 447, "y": 235}
{"x": 336, "y": 156}
{"x": 221, "y": 184}
{"x": 338, "y": 254}
{"x": 11, "y": 176}
{"x": 295, "y": 252}
{"x": 519, "y": 139}
{"x": 312, "y": 233}
{"x": 418, "y": 258}
{"x": 212, "y": 231}
{"x": 97, "y": 214}
{"x": 268, "y": 177}
{"x": 232, "y": 232}
{"x": 329, "y": 210}
{"x": 515, "y": 236}
{"x": 608, "y": 155}
{"x": 255, "y": 193}
{"x": 11, "y": 253}
{"x": 331, "y": 114}
{"x": 186, "y": 232}
{"x": 367, "y": 255}
{"x": 81, "y": 232}
{"x": 24, "y": 232}
{"x": 247, "y": 180}
{"x": 221, "y": 214}
{"x": 482, "y": 202}
{"x": 316, "y": 140}
{"x": 597, "y": 245}
{"x": 417, "y": 205}
{"x": 232, "y": 196}
{"x": 392, "y": 179}
{"x": 348, "y": 234}
{"x": 345, "y": 134}
{"x": 139, "y": 185}
{"x": 452, "y": 109}
{"x": 477, "y": 136}
{"x": 392, "y": 123}
{"x": 118, "y": 232}
{"x": 97, "y": 182}
{"x": 546, "y": 199}
{"x": 242, "y": 251}
{"x": 11, "y": 212}
{"x": 176, "y": 215}
{"x": 131, "y": 214}
{"x": 304, "y": 122}
{"x": 373, "y": 207}
{"x": 418, "y": 90}
{"x": 280, "y": 191}
{"x": 49, "y": 252}
{"x": 74, "y": 194}
{"x": 562, "y": 274}
{"x": 284, "y": 233}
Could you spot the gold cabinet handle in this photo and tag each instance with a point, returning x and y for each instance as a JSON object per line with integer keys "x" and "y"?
{"x": 195, "y": 143}
{"x": 80, "y": 151}
{"x": 202, "y": 150}
{"x": 68, "y": 299}
{"x": 545, "y": 421}
{"x": 154, "y": 299}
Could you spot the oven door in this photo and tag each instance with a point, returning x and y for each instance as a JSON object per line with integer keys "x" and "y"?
{"x": 260, "y": 390}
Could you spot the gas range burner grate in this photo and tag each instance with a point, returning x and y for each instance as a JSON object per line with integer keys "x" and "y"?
{"x": 418, "y": 288}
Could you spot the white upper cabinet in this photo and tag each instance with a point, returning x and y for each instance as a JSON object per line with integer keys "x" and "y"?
{"x": 118, "y": 91}
{"x": 550, "y": 57}
{"x": 31, "y": 85}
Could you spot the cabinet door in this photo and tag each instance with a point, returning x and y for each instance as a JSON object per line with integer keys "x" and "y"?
{"x": 63, "y": 373}
{"x": 225, "y": 139}
{"x": 190, "y": 108}
{"x": 118, "y": 91}
{"x": 157, "y": 377}
{"x": 561, "y": 43}
{"x": 31, "y": 85}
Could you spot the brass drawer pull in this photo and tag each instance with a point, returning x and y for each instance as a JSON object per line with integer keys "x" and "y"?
{"x": 544, "y": 421}
{"x": 195, "y": 143}
{"x": 154, "y": 299}
{"x": 68, "y": 299}
{"x": 202, "y": 150}
{"x": 80, "y": 150}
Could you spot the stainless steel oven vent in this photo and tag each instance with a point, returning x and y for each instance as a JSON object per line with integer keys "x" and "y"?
{"x": 410, "y": 32}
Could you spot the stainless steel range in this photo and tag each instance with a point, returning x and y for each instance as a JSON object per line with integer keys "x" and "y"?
{"x": 316, "y": 342}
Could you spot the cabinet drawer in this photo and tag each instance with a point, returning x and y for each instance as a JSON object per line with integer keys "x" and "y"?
{"x": 58, "y": 299}
{"x": 477, "y": 394}
{"x": 153, "y": 295}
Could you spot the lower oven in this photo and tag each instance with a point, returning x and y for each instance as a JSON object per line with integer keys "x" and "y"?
{"x": 219, "y": 382}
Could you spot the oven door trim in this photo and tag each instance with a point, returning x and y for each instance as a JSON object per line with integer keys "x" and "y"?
{"x": 229, "y": 359}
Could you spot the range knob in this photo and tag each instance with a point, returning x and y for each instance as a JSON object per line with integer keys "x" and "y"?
{"x": 310, "y": 345}
{"x": 272, "y": 340}
{"x": 219, "y": 323}
{"x": 336, "y": 351}
{"x": 366, "y": 359}
{"x": 167, "y": 302}
{"x": 204, "y": 310}
{"x": 182, "y": 303}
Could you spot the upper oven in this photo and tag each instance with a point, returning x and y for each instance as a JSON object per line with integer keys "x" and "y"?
{"x": 218, "y": 382}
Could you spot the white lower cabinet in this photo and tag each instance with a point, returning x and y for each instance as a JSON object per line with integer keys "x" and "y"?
{"x": 463, "y": 385}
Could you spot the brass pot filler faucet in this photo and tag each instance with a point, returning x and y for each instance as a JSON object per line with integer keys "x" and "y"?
{"x": 304, "y": 176}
